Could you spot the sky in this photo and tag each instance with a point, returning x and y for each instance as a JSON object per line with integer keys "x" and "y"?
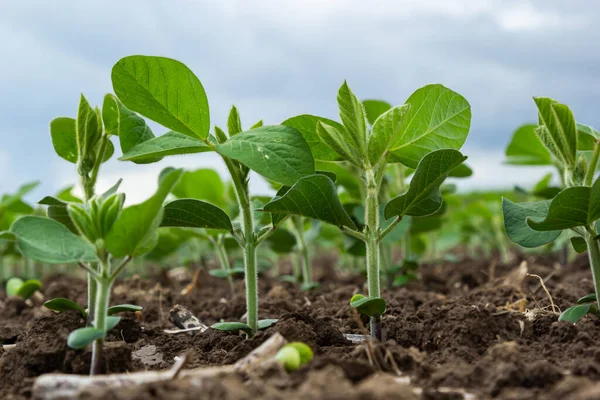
{"x": 275, "y": 59}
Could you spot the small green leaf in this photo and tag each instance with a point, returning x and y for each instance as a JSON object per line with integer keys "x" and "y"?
{"x": 337, "y": 139}
{"x": 579, "y": 244}
{"x": 588, "y": 298}
{"x": 169, "y": 144}
{"x": 234, "y": 123}
{"x": 193, "y": 213}
{"x": 438, "y": 118}
{"x": 525, "y": 148}
{"x": 307, "y": 126}
{"x": 89, "y": 131}
{"x": 576, "y": 313}
{"x": 136, "y": 226}
{"x": 266, "y": 323}
{"x": 13, "y": 285}
{"x": 374, "y": 108}
{"x": 164, "y": 90}
{"x": 61, "y": 304}
{"x": 515, "y": 223}
{"x": 560, "y": 133}
{"x": 278, "y": 152}
{"x": 28, "y": 288}
{"x": 353, "y": 117}
{"x": 123, "y": 308}
{"x": 369, "y": 306}
{"x": 48, "y": 241}
{"x": 64, "y": 138}
{"x": 281, "y": 241}
{"x": 385, "y": 132}
{"x": 231, "y": 326}
{"x": 111, "y": 322}
{"x": 315, "y": 197}
{"x": 423, "y": 196}
{"x": 82, "y": 337}
{"x": 8, "y": 202}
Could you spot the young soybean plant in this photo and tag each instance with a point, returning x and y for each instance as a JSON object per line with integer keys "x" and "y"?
{"x": 108, "y": 237}
{"x": 424, "y": 134}
{"x": 167, "y": 92}
{"x": 575, "y": 150}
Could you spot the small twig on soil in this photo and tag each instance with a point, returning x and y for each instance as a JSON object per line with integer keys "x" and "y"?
{"x": 546, "y": 279}
{"x": 554, "y": 308}
{"x": 180, "y": 364}
{"x": 193, "y": 284}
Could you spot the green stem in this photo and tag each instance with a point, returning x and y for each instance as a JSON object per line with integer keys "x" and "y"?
{"x": 589, "y": 176}
{"x": 92, "y": 293}
{"x": 371, "y": 232}
{"x": 223, "y": 259}
{"x": 101, "y": 310}
{"x": 594, "y": 256}
{"x": 298, "y": 223}
{"x": 240, "y": 185}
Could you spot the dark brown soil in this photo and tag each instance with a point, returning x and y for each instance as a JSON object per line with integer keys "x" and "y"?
{"x": 457, "y": 333}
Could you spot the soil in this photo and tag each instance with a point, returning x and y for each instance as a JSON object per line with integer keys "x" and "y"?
{"x": 472, "y": 330}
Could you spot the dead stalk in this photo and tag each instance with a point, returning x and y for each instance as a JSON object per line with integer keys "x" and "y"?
{"x": 554, "y": 308}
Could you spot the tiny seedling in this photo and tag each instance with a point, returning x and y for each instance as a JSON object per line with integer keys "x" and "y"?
{"x": 23, "y": 289}
{"x": 575, "y": 150}
{"x": 294, "y": 355}
{"x": 372, "y": 307}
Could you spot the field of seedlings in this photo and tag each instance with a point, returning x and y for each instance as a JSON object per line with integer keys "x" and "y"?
{"x": 367, "y": 275}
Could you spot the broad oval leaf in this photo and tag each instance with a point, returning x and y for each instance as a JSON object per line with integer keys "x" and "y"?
{"x": 576, "y": 313}
{"x": 374, "y": 108}
{"x": 515, "y": 223}
{"x": 525, "y": 148}
{"x": 201, "y": 184}
{"x": 439, "y": 118}
{"x": 111, "y": 322}
{"x": 135, "y": 229}
{"x": 45, "y": 240}
{"x": 307, "y": 126}
{"x": 369, "y": 306}
{"x": 579, "y": 244}
{"x": 588, "y": 298}
{"x": 276, "y": 152}
{"x": 123, "y": 308}
{"x": 266, "y": 323}
{"x": 164, "y": 90}
{"x": 28, "y": 288}
{"x": 169, "y": 144}
{"x": 64, "y": 138}
{"x": 385, "y": 132}
{"x": 61, "y": 304}
{"x": 82, "y": 337}
{"x": 315, "y": 197}
{"x": 192, "y": 213}
{"x": 423, "y": 196}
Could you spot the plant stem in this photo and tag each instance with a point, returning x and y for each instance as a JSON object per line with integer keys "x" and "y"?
{"x": 589, "y": 176}
{"x": 371, "y": 233}
{"x": 92, "y": 293}
{"x": 298, "y": 223}
{"x": 104, "y": 284}
{"x": 240, "y": 185}
{"x": 594, "y": 256}
{"x": 223, "y": 259}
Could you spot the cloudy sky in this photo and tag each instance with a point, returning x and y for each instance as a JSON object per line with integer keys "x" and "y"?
{"x": 276, "y": 59}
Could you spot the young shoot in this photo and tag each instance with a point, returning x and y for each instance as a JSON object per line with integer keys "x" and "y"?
{"x": 23, "y": 289}
{"x": 294, "y": 355}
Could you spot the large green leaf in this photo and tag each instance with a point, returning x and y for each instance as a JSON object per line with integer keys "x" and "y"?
{"x": 353, "y": 117}
{"x": 164, "y": 90}
{"x": 64, "y": 138}
{"x": 314, "y": 196}
{"x": 560, "y": 133}
{"x": 574, "y": 206}
{"x": 276, "y": 152}
{"x": 192, "y": 213}
{"x": 307, "y": 126}
{"x": 385, "y": 131}
{"x": 169, "y": 144}
{"x": 135, "y": 229}
{"x": 201, "y": 184}
{"x": 45, "y": 240}
{"x": 374, "y": 108}
{"x": 515, "y": 223}
{"x": 423, "y": 196}
{"x": 525, "y": 148}
{"x": 439, "y": 118}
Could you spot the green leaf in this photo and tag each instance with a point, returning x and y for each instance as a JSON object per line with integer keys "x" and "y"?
{"x": 169, "y": 144}
{"x": 231, "y": 326}
{"x": 136, "y": 225}
{"x": 385, "y": 132}
{"x": 234, "y": 123}
{"x": 337, "y": 139}
{"x": 61, "y": 304}
{"x": 587, "y": 137}
{"x": 13, "y": 285}
{"x": 123, "y": 308}
{"x": 89, "y": 131}
{"x": 515, "y": 223}
{"x": 462, "y": 171}
{"x": 164, "y": 90}
{"x": 576, "y": 313}
{"x": 369, "y": 306}
{"x": 281, "y": 241}
{"x": 220, "y": 273}
{"x": 588, "y": 298}
{"x": 560, "y": 133}
{"x": 353, "y": 116}
{"x": 525, "y": 148}
{"x": 315, "y": 197}
{"x": 28, "y": 288}
{"x": 423, "y": 196}
{"x": 67, "y": 195}
{"x": 193, "y": 213}
{"x": 201, "y": 184}
{"x": 64, "y": 138}
{"x": 266, "y": 323}
{"x": 277, "y": 152}
{"x": 307, "y": 126}
{"x": 438, "y": 118}
{"x": 48, "y": 241}
{"x": 374, "y": 108}
{"x": 579, "y": 244}
{"x": 111, "y": 322}
{"x": 82, "y": 337}
{"x": 13, "y": 202}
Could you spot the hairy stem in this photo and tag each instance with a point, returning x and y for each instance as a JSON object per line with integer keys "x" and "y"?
{"x": 223, "y": 259}
{"x": 371, "y": 233}
{"x": 298, "y": 223}
{"x": 594, "y": 256}
{"x": 102, "y": 300}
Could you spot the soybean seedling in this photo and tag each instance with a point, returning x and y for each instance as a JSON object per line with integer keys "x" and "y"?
{"x": 23, "y": 289}
{"x": 424, "y": 134}
{"x": 294, "y": 355}
{"x": 167, "y": 92}
{"x": 575, "y": 150}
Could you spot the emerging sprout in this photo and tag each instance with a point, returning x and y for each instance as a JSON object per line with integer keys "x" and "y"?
{"x": 294, "y": 355}
{"x": 24, "y": 289}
